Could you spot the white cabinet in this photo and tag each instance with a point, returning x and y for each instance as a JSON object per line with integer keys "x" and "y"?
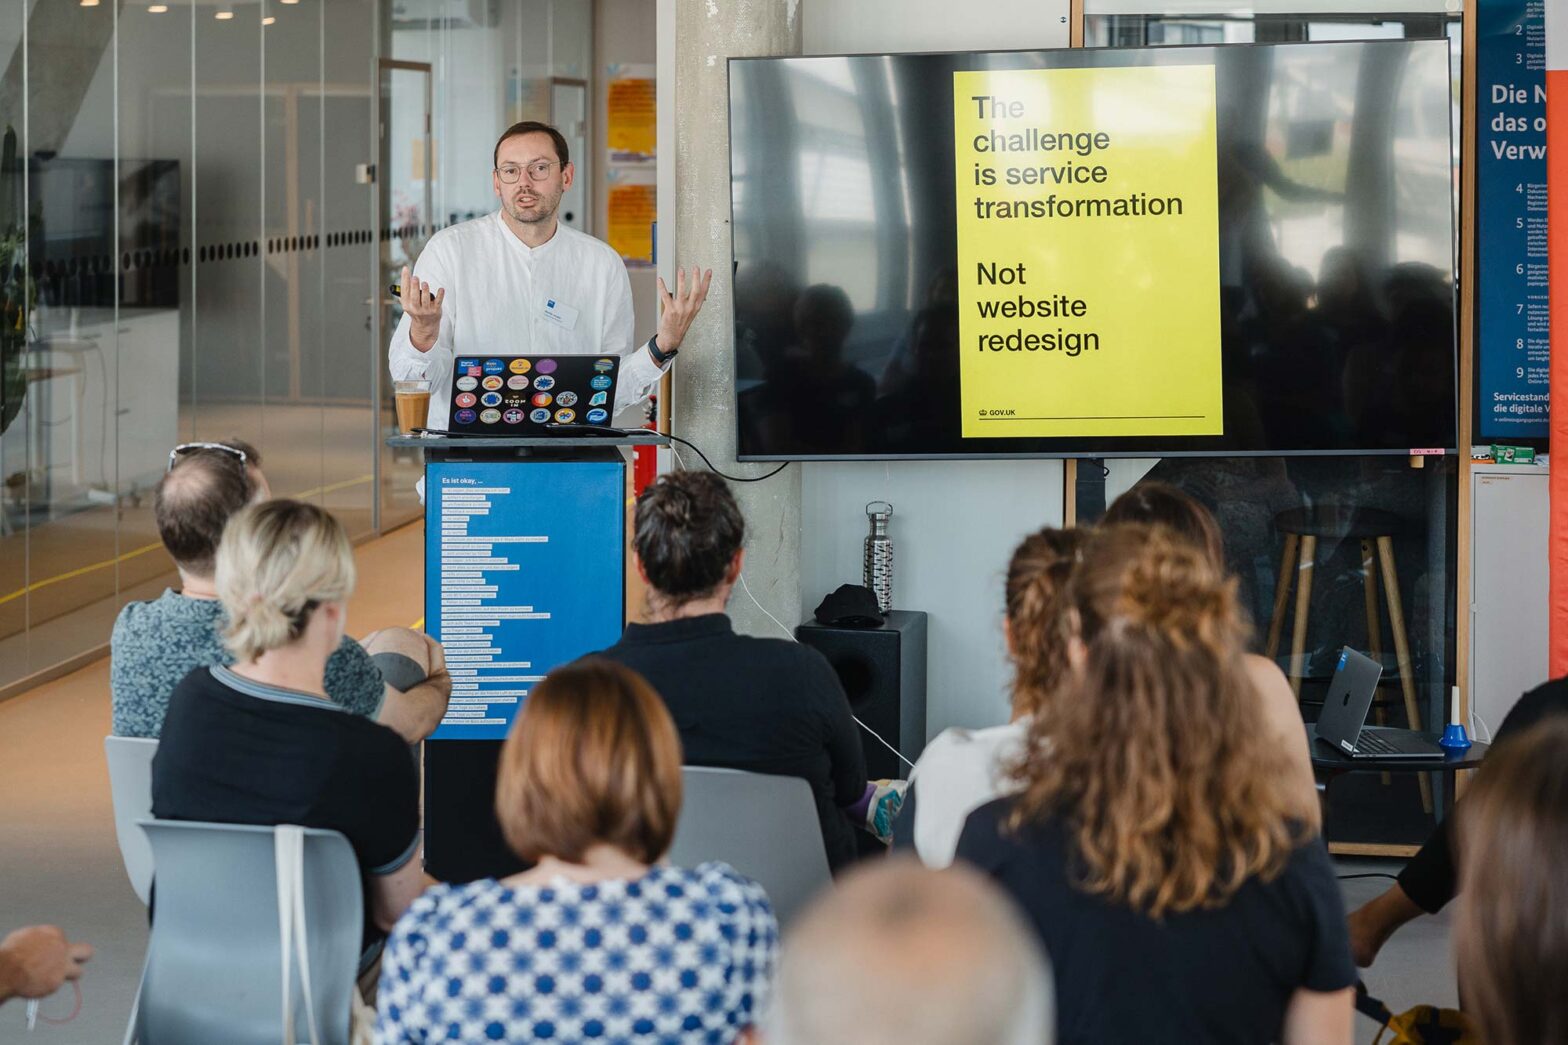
{"x": 1509, "y": 513}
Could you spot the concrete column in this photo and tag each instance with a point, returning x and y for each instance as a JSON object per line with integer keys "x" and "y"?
{"x": 707, "y": 32}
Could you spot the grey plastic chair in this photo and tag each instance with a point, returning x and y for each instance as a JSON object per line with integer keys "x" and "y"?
{"x": 130, "y": 788}
{"x": 214, "y": 959}
{"x": 763, "y": 826}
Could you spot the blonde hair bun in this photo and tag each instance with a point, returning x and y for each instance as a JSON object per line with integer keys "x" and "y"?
{"x": 277, "y": 562}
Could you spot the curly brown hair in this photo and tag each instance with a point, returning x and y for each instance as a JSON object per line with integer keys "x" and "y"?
{"x": 1155, "y": 758}
{"x": 1038, "y": 619}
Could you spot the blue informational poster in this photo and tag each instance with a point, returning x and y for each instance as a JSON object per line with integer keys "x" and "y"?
{"x": 1513, "y": 336}
{"x": 523, "y": 572}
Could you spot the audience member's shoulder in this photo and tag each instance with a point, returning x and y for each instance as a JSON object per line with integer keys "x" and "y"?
{"x": 768, "y": 651}
{"x": 958, "y": 749}
{"x": 435, "y": 907}
{"x": 170, "y": 608}
{"x": 732, "y": 891}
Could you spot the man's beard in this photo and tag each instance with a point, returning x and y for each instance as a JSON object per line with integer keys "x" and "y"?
{"x": 541, "y": 211}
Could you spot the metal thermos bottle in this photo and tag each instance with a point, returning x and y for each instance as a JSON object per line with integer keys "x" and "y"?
{"x": 879, "y": 555}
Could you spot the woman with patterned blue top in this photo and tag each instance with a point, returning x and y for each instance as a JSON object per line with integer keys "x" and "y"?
{"x": 599, "y": 941}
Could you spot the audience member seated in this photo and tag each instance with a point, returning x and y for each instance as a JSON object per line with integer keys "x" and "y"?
{"x": 599, "y": 940}
{"x": 1160, "y": 504}
{"x": 962, "y": 769}
{"x": 156, "y": 644}
{"x": 260, "y": 742}
{"x": 1153, "y": 842}
{"x": 899, "y": 955}
{"x": 37, "y": 961}
{"x": 763, "y": 705}
{"x": 1511, "y": 926}
{"x": 1429, "y": 881}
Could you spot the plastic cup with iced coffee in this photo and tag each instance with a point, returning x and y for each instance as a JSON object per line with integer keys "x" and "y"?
{"x": 413, "y": 404}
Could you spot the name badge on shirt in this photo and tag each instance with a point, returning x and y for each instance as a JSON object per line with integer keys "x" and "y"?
{"x": 560, "y": 313}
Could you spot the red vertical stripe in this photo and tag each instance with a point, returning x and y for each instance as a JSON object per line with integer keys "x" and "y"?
{"x": 1557, "y": 268}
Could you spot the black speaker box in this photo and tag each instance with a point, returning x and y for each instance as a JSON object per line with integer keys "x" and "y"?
{"x": 884, "y": 675}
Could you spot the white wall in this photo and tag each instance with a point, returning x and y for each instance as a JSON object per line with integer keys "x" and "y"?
{"x": 954, "y": 526}
{"x": 955, "y": 523}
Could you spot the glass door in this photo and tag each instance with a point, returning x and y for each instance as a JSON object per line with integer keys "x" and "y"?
{"x": 405, "y": 176}
{"x": 569, "y": 115}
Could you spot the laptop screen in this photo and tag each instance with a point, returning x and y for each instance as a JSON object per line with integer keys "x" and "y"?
{"x": 1349, "y": 698}
{"x": 521, "y": 395}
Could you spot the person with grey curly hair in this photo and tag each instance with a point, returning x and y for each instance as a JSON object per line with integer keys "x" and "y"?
{"x": 260, "y": 742}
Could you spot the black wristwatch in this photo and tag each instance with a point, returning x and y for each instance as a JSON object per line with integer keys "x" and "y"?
{"x": 660, "y": 356}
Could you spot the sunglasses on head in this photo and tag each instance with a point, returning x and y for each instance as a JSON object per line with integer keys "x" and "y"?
{"x": 188, "y": 448}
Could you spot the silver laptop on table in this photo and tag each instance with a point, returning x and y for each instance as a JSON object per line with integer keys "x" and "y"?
{"x": 1342, "y": 725}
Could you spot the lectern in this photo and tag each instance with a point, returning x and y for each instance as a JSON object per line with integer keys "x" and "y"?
{"x": 524, "y": 570}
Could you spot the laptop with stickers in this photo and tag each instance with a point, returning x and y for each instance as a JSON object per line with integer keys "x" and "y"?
{"x": 531, "y": 395}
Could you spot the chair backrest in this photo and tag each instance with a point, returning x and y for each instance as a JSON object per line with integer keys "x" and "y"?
{"x": 130, "y": 788}
{"x": 214, "y": 959}
{"x": 765, "y": 827}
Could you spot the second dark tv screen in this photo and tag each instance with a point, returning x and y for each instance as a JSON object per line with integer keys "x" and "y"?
{"x": 1095, "y": 252}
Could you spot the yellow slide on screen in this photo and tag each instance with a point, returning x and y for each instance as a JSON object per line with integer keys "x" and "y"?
{"x": 1088, "y": 252}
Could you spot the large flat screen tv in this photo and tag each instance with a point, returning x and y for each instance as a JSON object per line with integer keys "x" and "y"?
{"x": 1095, "y": 252}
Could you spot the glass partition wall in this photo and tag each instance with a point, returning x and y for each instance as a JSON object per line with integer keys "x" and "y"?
{"x": 1328, "y": 551}
{"x": 197, "y": 212}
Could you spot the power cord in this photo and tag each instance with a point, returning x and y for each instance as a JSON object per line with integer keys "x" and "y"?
{"x": 684, "y": 442}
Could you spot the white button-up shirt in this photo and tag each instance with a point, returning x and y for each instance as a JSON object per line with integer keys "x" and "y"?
{"x": 568, "y": 297}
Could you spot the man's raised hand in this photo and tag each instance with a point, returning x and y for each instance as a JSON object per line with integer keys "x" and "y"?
{"x": 681, "y": 307}
{"x": 423, "y": 308}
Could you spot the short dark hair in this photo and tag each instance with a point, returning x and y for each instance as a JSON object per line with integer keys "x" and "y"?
{"x": 252, "y": 455}
{"x": 517, "y": 130}
{"x": 193, "y": 502}
{"x": 688, "y": 529}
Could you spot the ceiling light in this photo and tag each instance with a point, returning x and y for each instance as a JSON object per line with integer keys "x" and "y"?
{"x": 89, "y": 3}
{"x": 268, "y": 20}
{"x": 157, "y": 9}
{"x": 223, "y": 15}
{"x": 289, "y": 1}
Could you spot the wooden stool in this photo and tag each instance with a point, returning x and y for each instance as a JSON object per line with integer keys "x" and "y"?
{"x": 1375, "y": 530}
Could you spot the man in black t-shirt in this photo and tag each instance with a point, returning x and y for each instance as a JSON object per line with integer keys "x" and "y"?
{"x": 761, "y": 705}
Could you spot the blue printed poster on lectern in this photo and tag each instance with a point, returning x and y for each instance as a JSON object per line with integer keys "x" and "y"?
{"x": 1511, "y": 290}
{"x": 523, "y": 572}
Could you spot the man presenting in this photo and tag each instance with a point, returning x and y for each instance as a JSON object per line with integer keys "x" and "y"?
{"x": 517, "y": 282}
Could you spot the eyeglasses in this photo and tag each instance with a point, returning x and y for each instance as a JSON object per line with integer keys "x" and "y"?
{"x": 189, "y": 448}
{"x": 539, "y": 170}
